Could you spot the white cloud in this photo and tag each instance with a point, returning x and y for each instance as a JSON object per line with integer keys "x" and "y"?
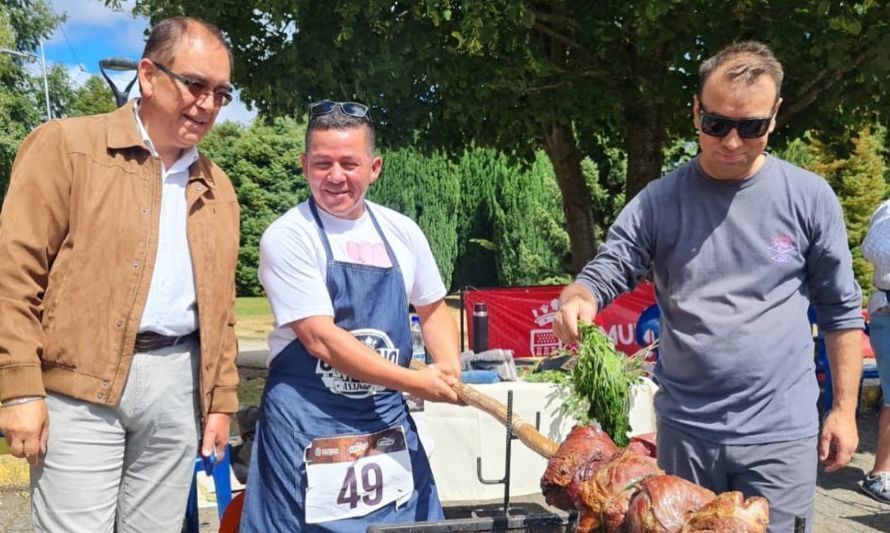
{"x": 92, "y": 12}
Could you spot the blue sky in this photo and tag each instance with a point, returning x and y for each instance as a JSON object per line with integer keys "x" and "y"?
{"x": 93, "y": 32}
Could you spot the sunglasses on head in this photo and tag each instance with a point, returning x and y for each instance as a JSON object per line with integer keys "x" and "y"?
{"x": 352, "y": 109}
{"x": 720, "y": 126}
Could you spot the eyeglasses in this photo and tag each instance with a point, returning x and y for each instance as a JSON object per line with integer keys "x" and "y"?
{"x": 221, "y": 95}
{"x": 720, "y": 126}
{"x": 352, "y": 109}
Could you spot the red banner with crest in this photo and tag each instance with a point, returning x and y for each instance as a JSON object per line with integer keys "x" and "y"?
{"x": 521, "y": 318}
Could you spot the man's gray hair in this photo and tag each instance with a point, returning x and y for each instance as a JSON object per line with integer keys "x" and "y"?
{"x": 743, "y": 62}
{"x": 338, "y": 120}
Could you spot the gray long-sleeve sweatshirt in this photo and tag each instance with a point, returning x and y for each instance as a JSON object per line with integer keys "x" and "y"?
{"x": 736, "y": 265}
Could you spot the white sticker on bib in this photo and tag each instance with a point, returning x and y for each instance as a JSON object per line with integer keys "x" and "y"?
{"x": 354, "y": 475}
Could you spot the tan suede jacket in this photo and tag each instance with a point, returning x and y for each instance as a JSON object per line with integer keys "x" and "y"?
{"x": 78, "y": 240}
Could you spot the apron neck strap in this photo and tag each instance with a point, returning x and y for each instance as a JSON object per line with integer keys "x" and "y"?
{"x": 327, "y": 245}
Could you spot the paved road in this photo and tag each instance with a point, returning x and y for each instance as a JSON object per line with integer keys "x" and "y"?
{"x": 840, "y": 506}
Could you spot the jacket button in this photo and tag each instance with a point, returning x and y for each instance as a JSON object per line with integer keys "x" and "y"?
{"x": 144, "y": 210}
{"x": 104, "y": 384}
{"x": 119, "y": 323}
{"x": 99, "y": 396}
{"x": 135, "y": 265}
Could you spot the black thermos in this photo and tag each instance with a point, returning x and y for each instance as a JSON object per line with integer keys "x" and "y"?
{"x": 480, "y": 327}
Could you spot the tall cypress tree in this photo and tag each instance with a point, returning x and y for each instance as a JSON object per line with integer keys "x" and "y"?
{"x": 532, "y": 243}
{"x": 859, "y": 182}
{"x": 427, "y": 190}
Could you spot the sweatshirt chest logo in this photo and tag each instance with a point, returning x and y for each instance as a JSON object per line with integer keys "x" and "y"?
{"x": 782, "y": 249}
{"x": 343, "y": 385}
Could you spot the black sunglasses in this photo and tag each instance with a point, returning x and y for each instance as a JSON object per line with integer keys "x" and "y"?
{"x": 352, "y": 109}
{"x": 720, "y": 126}
{"x": 221, "y": 95}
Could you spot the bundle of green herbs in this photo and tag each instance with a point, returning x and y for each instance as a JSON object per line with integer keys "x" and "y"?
{"x": 599, "y": 383}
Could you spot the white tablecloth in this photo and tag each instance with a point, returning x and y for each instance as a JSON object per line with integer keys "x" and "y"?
{"x": 455, "y": 436}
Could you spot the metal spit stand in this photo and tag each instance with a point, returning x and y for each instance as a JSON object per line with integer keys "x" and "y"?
{"x": 508, "y": 455}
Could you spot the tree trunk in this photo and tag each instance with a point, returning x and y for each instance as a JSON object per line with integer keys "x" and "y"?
{"x": 560, "y": 146}
{"x": 644, "y": 146}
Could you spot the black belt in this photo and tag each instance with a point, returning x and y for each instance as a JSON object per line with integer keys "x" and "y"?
{"x": 150, "y": 341}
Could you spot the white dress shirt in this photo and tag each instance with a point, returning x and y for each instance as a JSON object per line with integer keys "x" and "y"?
{"x": 876, "y": 249}
{"x": 171, "y": 308}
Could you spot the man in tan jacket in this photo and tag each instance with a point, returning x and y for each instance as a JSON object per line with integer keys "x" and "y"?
{"x": 118, "y": 245}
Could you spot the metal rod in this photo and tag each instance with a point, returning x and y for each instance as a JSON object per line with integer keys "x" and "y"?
{"x": 49, "y": 113}
{"x": 462, "y": 345}
{"x": 509, "y": 453}
{"x": 508, "y": 456}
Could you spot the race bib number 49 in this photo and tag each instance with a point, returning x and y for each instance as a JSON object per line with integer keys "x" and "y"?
{"x": 354, "y": 475}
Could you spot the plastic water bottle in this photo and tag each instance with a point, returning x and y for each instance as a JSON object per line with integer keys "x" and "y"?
{"x": 418, "y": 351}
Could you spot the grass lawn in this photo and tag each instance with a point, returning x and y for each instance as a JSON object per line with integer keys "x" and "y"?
{"x": 254, "y": 317}
{"x": 252, "y": 306}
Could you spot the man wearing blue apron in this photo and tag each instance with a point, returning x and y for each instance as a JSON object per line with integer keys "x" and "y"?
{"x": 335, "y": 449}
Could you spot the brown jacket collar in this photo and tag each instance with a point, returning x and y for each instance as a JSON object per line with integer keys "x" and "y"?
{"x": 123, "y": 133}
{"x": 122, "y": 130}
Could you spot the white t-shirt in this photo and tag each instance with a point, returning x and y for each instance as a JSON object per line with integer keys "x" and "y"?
{"x": 293, "y": 262}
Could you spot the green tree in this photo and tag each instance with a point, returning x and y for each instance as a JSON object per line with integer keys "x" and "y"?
{"x": 263, "y": 162}
{"x": 427, "y": 190}
{"x": 22, "y": 24}
{"x": 529, "y": 229}
{"x": 489, "y": 221}
{"x": 61, "y": 90}
{"x": 32, "y": 21}
{"x": 859, "y": 182}
{"x": 511, "y": 229}
{"x": 479, "y": 171}
{"x": 571, "y": 77}
{"x": 92, "y": 98}
{"x": 605, "y": 177}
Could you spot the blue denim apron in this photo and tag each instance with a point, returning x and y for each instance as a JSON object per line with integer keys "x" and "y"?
{"x": 299, "y": 405}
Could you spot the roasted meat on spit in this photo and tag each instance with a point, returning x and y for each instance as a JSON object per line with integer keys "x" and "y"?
{"x": 605, "y": 495}
{"x": 664, "y": 503}
{"x": 730, "y": 512}
{"x": 584, "y": 449}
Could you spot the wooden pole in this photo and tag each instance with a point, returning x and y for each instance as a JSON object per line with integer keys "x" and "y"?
{"x": 531, "y": 437}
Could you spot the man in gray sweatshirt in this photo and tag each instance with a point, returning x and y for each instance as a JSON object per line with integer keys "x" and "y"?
{"x": 740, "y": 243}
